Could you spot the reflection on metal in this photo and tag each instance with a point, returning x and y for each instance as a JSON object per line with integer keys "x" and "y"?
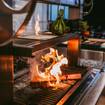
{"x": 5, "y": 8}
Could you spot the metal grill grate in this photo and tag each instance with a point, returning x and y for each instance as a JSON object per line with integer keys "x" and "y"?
{"x": 38, "y": 96}
{"x": 24, "y": 94}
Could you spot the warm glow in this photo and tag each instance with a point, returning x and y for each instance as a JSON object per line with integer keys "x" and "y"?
{"x": 21, "y": 31}
{"x": 73, "y": 52}
{"x": 37, "y": 26}
{"x": 53, "y": 72}
{"x": 56, "y": 71}
{"x": 86, "y": 33}
{"x": 73, "y": 44}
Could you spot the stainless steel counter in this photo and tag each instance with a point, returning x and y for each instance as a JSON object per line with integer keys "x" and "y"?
{"x": 94, "y": 92}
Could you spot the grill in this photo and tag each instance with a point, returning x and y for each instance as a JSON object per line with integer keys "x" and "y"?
{"x": 40, "y": 96}
{"x": 48, "y": 96}
{"x": 17, "y": 89}
{"x": 72, "y": 92}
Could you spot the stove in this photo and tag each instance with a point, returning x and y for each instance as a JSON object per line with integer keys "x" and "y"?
{"x": 71, "y": 91}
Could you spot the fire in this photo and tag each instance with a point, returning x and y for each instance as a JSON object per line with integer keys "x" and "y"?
{"x": 37, "y": 26}
{"x": 56, "y": 71}
{"x": 53, "y": 71}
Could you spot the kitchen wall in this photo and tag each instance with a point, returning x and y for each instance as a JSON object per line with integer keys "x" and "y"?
{"x": 74, "y": 13}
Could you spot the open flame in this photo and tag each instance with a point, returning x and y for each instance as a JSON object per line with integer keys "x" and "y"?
{"x": 37, "y": 26}
{"x": 54, "y": 69}
{"x": 52, "y": 72}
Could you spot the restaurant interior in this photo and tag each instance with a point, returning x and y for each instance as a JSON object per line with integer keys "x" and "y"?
{"x": 52, "y": 52}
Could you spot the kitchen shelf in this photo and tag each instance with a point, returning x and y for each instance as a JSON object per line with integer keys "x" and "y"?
{"x": 27, "y": 47}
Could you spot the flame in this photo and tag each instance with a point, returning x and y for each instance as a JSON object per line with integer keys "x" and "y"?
{"x": 37, "y": 26}
{"x": 54, "y": 69}
{"x": 52, "y": 72}
{"x": 35, "y": 74}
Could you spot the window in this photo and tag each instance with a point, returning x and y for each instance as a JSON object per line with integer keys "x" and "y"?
{"x": 61, "y": 7}
{"x": 53, "y": 11}
{"x": 66, "y": 13}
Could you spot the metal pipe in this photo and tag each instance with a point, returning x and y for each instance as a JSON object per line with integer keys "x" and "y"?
{"x": 5, "y": 8}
